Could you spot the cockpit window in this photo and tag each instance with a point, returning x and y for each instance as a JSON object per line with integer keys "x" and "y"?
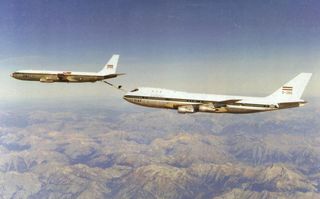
{"x": 134, "y": 90}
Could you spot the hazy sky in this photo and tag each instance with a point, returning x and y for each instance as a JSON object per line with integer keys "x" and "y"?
{"x": 222, "y": 47}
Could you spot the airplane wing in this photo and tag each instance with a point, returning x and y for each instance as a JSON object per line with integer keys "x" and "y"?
{"x": 224, "y": 102}
{"x": 63, "y": 76}
{"x": 230, "y": 101}
{"x": 206, "y": 107}
{"x": 66, "y": 76}
{"x": 212, "y": 106}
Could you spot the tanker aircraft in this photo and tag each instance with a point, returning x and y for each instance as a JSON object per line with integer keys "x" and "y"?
{"x": 108, "y": 71}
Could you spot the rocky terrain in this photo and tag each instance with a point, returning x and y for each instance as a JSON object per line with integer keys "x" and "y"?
{"x": 56, "y": 151}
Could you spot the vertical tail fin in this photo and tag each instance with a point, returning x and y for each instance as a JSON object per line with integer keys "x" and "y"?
{"x": 111, "y": 66}
{"x": 293, "y": 89}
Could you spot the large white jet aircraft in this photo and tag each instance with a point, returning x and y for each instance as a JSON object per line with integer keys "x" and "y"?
{"x": 108, "y": 71}
{"x": 288, "y": 96}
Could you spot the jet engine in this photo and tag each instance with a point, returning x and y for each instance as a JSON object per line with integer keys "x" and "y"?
{"x": 274, "y": 105}
{"x": 186, "y": 109}
{"x": 207, "y": 108}
{"x": 46, "y": 80}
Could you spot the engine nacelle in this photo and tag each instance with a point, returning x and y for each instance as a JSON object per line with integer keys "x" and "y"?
{"x": 274, "y": 105}
{"x": 46, "y": 80}
{"x": 186, "y": 109}
{"x": 207, "y": 108}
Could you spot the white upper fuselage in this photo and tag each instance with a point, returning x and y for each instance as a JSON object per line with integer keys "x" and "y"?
{"x": 193, "y": 102}
{"x": 51, "y": 72}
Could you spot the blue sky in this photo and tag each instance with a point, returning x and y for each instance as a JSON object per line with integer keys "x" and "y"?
{"x": 223, "y": 47}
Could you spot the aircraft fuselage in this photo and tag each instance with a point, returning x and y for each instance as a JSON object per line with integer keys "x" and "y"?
{"x": 59, "y": 76}
{"x": 186, "y": 102}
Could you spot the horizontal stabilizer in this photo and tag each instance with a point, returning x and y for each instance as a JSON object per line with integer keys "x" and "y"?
{"x": 114, "y": 75}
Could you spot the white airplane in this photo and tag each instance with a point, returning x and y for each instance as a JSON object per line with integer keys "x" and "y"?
{"x": 108, "y": 71}
{"x": 288, "y": 96}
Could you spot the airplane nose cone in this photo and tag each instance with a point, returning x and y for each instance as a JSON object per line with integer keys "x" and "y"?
{"x": 12, "y": 74}
{"x": 127, "y": 98}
